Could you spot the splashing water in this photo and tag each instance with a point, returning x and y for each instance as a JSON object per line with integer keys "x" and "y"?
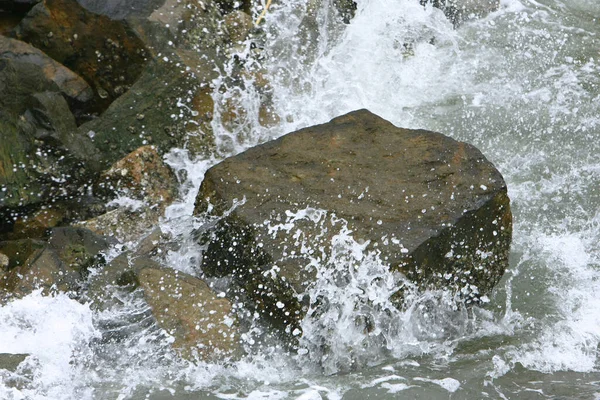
{"x": 522, "y": 84}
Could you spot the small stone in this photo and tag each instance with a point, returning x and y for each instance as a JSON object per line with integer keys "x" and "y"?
{"x": 102, "y": 93}
{"x": 4, "y": 261}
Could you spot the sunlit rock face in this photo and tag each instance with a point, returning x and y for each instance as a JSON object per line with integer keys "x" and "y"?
{"x": 435, "y": 210}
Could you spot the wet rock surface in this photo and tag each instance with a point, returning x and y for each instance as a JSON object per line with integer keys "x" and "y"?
{"x": 69, "y": 83}
{"x": 60, "y": 264}
{"x": 433, "y": 208}
{"x": 141, "y": 186}
{"x": 202, "y": 323}
{"x": 72, "y": 63}
{"x": 41, "y": 156}
{"x": 105, "y": 52}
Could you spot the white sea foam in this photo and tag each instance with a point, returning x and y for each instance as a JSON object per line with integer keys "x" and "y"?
{"x": 54, "y": 331}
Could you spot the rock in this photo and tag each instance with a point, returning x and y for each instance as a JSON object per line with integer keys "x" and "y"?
{"x": 59, "y": 265}
{"x": 43, "y": 270}
{"x": 10, "y": 362}
{"x": 37, "y": 224}
{"x": 459, "y": 11}
{"x": 435, "y": 209}
{"x": 141, "y": 175}
{"x": 238, "y": 25}
{"x": 124, "y": 224}
{"x": 42, "y": 159}
{"x": 121, "y": 9}
{"x": 166, "y": 113}
{"x": 70, "y": 84}
{"x": 4, "y": 261}
{"x": 145, "y": 186}
{"x": 202, "y": 323}
{"x": 106, "y": 53}
{"x": 18, "y": 251}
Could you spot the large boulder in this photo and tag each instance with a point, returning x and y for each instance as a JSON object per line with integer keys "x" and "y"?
{"x": 433, "y": 208}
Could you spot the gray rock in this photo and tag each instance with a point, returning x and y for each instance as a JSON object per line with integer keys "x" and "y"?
{"x": 435, "y": 209}
{"x": 42, "y": 156}
{"x": 10, "y": 362}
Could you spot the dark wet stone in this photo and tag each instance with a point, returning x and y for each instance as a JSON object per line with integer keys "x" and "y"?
{"x": 106, "y": 53}
{"x": 70, "y": 84}
{"x": 42, "y": 157}
{"x": 59, "y": 265}
{"x": 435, "y": 209}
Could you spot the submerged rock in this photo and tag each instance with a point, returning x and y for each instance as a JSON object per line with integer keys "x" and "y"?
{"x": 10, "y": 362}
{"x": 434, "y": 209}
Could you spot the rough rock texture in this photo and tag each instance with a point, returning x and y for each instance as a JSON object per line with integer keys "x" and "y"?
{"x": 69, "y": 83}
{"x": 41, "y": 156}
{"x": 161, "y": 119}
{"x": 141, "y": 175}
{"x": 191, "y": 312}
{"x": 106, "y": 53}
{"x": 434, "y": 208}
{"x": 201, "y": 322}
{"x": 59, "y": 265}
{"x": 147, "y": 186}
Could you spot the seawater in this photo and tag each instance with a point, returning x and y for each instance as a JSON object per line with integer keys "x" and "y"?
{"x": 521, "y": 84}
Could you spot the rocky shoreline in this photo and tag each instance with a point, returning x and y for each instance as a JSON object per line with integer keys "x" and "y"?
{"x": 94, "y": 93}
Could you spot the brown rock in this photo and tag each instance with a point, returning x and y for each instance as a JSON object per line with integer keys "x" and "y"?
{"x": 106, "y": 53}
{"x": 69, "y": 83}
{"x": 123, "y": 224}
{"x": 141, "y": 175}
{"x": 37, "y": 224}
{"x": 435, "y": 209}
{"x": 238, "y": 25}
{"x": 202, "y": 324}
{"x": 59, "y": 265}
